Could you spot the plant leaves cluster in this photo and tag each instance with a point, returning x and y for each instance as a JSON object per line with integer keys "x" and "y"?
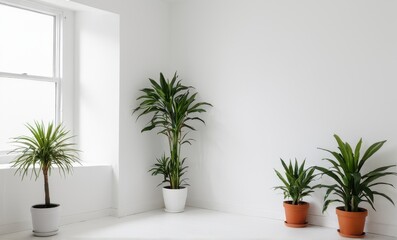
{"x": 352, "y": 186}
{"x": 44, "y": 149}
{"x": 172, "y": 109}
{"x": 172, "y": 171}
{"x": 296, "y": 181}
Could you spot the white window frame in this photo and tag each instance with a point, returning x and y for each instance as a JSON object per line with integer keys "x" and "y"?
{"x": 57, "y": 58}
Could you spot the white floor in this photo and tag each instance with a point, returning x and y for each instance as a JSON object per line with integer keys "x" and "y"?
{"x": 194, "y": 223}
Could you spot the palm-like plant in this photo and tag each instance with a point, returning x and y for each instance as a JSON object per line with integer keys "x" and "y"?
{"x": 45, "y": 148}
{"x": 353, "y": 187}
{"x": 296, "y": 181}
{"x": 172, "y": 108}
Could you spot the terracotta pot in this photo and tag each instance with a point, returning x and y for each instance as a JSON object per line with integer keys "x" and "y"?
{"x": 296, "y": 214}
{"x": 351, "y": 224}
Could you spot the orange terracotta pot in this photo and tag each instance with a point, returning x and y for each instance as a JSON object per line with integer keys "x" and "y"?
{"x": 296, "y": 214}
{"x": 351, "y": 224}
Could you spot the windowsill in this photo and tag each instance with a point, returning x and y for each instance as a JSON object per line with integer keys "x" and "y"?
{"x": 6, "y": 158}
{"x": 5, "y": 166}
{"x": 83, "y": 165}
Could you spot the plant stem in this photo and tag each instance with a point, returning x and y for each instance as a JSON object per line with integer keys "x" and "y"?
{"x": 175, "y": 160}
{"x": 46, "y": 188}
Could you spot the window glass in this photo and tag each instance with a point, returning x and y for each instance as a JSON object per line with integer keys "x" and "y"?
{"x": 26, "y": 42}
{"x": 23, "y": 101}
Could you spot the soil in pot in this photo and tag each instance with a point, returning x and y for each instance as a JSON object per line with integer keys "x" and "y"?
{"x": 351, "y": 224}
{"x": 296, "y": 215}
{"x": 52, "y": 205}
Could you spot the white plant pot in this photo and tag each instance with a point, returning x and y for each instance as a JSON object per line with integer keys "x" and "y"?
{"x": 174, "y": 199}
{"x": 45, "y": 221}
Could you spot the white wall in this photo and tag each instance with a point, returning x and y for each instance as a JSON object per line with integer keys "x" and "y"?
{"x": 283, "y": 77}
{"x": 96, "y": 97}
{"x": 93, "y": 39}
{"x": 78, "y": 198}
{"x": 97, "y": 85}
{"x": 143, "y": 30}
{"x": 144, "y": 46}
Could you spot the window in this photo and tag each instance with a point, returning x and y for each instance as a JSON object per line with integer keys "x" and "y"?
{"x": 30, "y": 68}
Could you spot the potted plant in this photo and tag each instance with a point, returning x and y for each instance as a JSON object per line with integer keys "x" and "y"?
{"x": 353, "y": 186}
{"x": 296, "y": 187}
{"x": 172, "y": 108}
{"x": 45, "y": 148}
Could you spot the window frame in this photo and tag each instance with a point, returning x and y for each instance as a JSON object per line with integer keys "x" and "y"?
{"x": 57, "y": 77}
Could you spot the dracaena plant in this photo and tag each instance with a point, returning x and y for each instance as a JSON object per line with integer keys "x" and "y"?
{"x": 352, "y": 185}
{"x": 296, "y": 181}
{"x": 42, "y": 150}
{"x": 172, "y": 108}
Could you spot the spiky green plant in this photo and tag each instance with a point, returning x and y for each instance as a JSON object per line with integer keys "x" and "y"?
{"x": 352, "y": 186}
{"x": 45, "y": 148}
{"x": 296, "y": 181}
{"x": 172, "y": 109}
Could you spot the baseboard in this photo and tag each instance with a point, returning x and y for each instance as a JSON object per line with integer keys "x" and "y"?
{"x": 381, "y": 228}
{"x": 370, "y": 227}
{"x": 319, "y": 220}
{"x": 139, "y": 208}
{"x": 68, "y": 219}
{"x": 236, "y": 209}
{"x": 15, "y": 227}
{"x": 85, "y": 216}
{"x": 330, "y": 221}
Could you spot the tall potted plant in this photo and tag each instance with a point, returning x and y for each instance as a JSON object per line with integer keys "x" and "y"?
{"x": 352, "y": 186}
{"x": 172, "y": 108}
{"x": 41, "y": 151}
{"x": 296, "y": 186}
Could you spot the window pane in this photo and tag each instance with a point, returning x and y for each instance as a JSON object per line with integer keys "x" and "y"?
{"x": 21, "y": 102}
{"x": 26, "y": 41}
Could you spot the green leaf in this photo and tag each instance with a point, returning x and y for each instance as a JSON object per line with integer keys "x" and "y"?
{"x": 296, "y": 181}
{"x": 329, "y": 201}
{"x": 41, "y": 150}
{"x": 370, "y": 151}
{"x": 351, "y": 186}
{"x": 383, "y": 195}
{"x": 173, "y": 109}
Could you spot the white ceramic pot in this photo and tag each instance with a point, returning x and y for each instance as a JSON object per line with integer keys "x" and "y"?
{"x": 174, "y": 199}
{"x": 45, "y": 220}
